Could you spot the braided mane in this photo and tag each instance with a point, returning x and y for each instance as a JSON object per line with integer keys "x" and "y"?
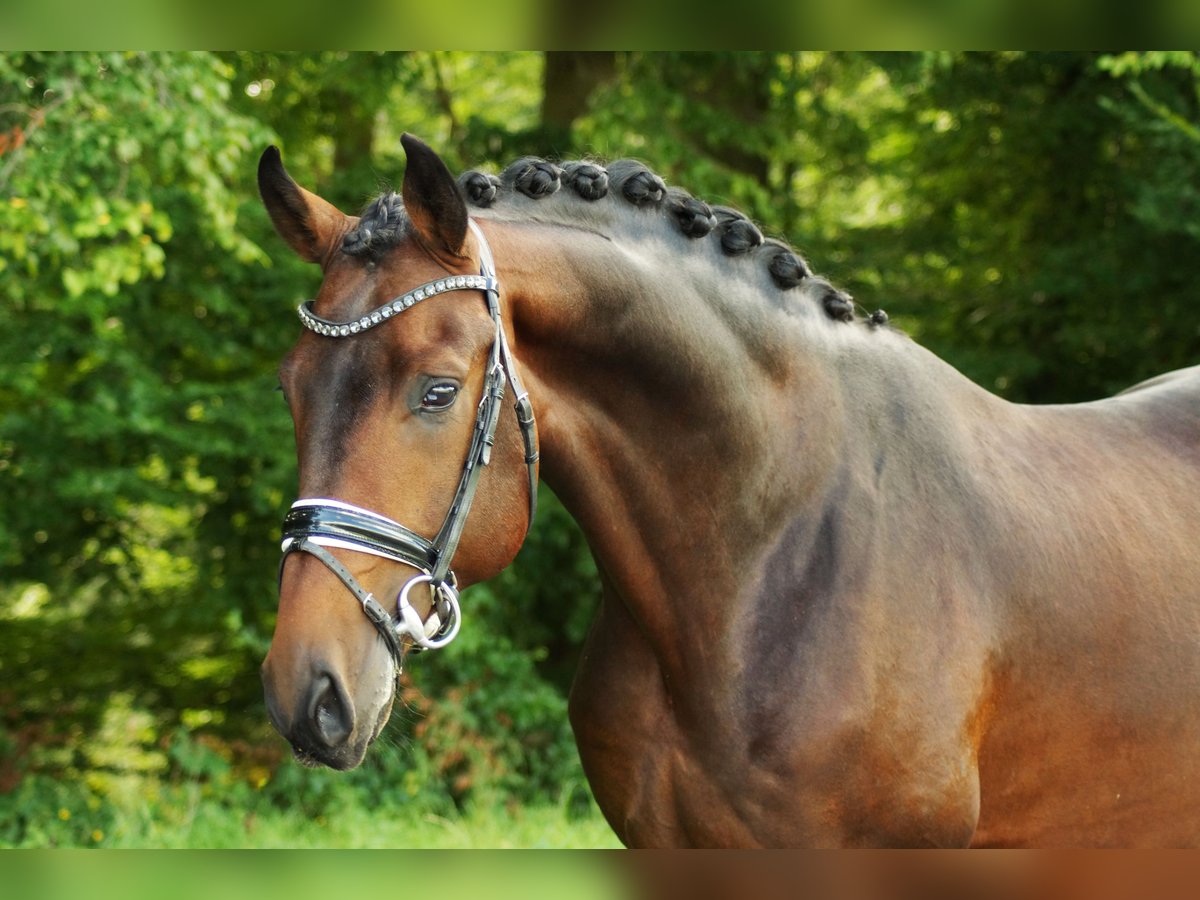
{"x": 383, "y": 223}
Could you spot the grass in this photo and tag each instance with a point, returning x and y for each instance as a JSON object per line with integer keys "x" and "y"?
{"x": 78, "y": 875}
{"x": 205, "y": 823}
{"x": 141, "y": 812}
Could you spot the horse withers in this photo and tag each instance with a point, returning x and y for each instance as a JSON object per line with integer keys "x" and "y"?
{"x": 849, "y": 597}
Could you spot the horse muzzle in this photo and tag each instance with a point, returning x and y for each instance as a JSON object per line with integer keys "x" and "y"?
{"x": 320, "y": 720}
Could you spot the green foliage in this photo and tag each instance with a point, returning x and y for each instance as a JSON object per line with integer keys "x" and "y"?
{"x": 493, "y": 710}
{"x": 134, "y": 379}
{"x": 144, "y": 813}
{"x": 1031, "y": 217}
{"x": 47, "y": 812}
{"x": 1044, "y": 246}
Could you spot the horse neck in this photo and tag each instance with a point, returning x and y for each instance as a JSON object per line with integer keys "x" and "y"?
{"x": 695, "y": 420}
{"x": 679, "y": 417}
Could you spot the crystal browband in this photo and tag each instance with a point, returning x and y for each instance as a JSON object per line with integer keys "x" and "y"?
{"x": 329, "y": 328}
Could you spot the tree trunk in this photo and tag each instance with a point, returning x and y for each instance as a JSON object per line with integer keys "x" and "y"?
{"x": 569, "y": 78}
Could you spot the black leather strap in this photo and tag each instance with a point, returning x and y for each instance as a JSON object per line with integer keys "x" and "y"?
{"x": 325, "y": 519}
{"x": 377, "y": 614}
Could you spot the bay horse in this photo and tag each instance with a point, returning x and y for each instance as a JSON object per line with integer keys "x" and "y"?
{"x": 849, "y": 597}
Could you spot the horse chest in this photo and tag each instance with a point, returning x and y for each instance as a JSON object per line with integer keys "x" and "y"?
{"x": 648, "y": 781}
{"x": 805, "y": 769}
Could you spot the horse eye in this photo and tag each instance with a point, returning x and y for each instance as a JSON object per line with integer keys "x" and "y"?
{"x": 439, "y": 397}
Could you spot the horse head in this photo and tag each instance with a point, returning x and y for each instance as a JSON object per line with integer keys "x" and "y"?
{"x": 394, "y": 389}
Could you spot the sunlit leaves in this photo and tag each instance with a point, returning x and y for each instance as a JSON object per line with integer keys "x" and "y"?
{"x": 121, "y": 219}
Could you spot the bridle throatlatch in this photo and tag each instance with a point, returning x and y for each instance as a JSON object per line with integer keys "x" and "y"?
{"x": 312, "y": 525}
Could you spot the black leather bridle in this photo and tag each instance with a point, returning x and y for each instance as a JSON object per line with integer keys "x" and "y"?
{"x": 314, "y": 524}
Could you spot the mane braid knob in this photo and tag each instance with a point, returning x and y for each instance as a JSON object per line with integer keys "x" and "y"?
{"x": 588, "y": 180}
{"x": 786, "y": 268}
{"x": 837, "y": 304}
{"x": 637, "y": 184}
{"x": 738, "y": 234}
{"x": 533, "y": 177}
{"x": 695, "y": 217}
{"x": 479, "y": 187}
{"x": 878, "y": 318}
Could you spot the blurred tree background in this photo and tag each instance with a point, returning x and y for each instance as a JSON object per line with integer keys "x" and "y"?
{"x": 1034, "y": 218}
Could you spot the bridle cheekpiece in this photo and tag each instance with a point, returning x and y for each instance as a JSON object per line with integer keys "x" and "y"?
{"x": 315, "y": 524}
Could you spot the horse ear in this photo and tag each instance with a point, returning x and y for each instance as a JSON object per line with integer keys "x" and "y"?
{"x": 309, "y": 224}
{"x": 434, "y": 204}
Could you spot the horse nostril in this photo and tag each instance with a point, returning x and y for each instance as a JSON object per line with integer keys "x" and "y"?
{"x": 331, "y": 717}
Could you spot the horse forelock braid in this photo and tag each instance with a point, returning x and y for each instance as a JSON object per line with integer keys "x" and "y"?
{"x": 380, "y": 226}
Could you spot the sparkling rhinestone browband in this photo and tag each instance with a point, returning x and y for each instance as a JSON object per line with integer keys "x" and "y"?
{"x": 328, "y": 328}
